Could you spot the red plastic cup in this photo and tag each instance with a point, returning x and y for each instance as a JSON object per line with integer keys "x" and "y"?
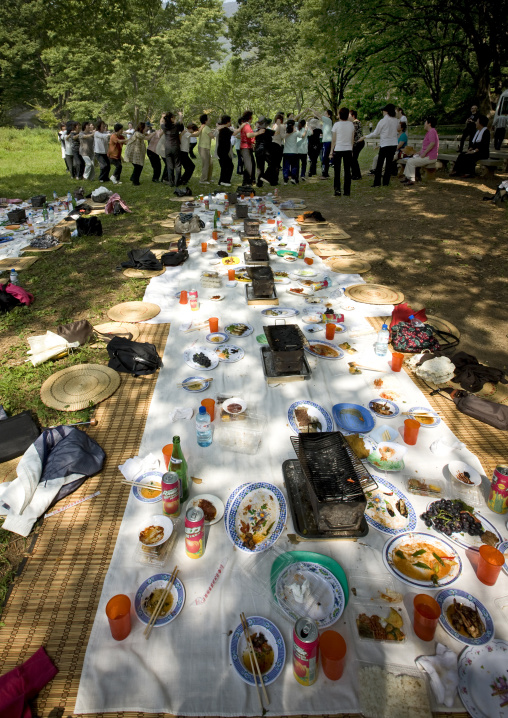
{"x": 330, "y": 331}
{"x": 332, "y": 648}
{"x": 397, "y": 359}
{"x": 426, "y": 616}
{"x": 291, "y": 231}
{"x": 411, "y": 429}
{"x": 118, "y": 611}
{"x": 231, "y": 275}
{"x": 308, "y": 260}
{"x": 204, "y": 246}
{"x": 490, "y": 563}
{"x": 215, "y": 234}
{"x": 209, "y": 405}
{"x": 214, "y": 324}
{"x": 167, "y": 452}
{"x": 183, "y": 297}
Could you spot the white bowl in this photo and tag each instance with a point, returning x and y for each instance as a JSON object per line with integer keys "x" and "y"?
{"x": 234, "y": 400}
{"x": 157, "y": 520}
{"x": 456, "y": 467}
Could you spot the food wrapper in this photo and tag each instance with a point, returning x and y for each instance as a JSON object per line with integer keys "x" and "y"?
{"x": 333, "y": 318}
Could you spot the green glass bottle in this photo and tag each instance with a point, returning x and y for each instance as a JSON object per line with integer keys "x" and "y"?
{"x": 215, "y": 219}
{"x": 178, "y": 464}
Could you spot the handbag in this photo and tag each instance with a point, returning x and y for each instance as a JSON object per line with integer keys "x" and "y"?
{"x": 17, "y": 433}
{"x": 79, "y": 331}
{"x": 488, "y": 412}
{"x": 187, "y": 223}
{"x": 407, "y": 338}
{"x": 89, "y": 227}
{"x": 142, "y": 259}
{"x": 161, "y": 146}
{"x": 174, "y": 259}
{"x": 135, "y": 358}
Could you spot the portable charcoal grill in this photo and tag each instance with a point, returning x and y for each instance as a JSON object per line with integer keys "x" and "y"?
{"x": 286, "y": 343}
{"x": 258, "y": 249}
{"x": 262, "y": 281}
{"x": 336, "y": 480}
{"x": 251, "y": 227}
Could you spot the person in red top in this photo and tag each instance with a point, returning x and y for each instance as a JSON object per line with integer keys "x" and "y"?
{"x": 247, "y": 141}
{"x": 428, "y": 153}
{"x": 116, "y": 142}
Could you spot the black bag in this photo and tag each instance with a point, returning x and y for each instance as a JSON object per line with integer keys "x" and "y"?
{"x": 174, "y": 259}
{"x": 89, "y": 227}
{"x": 142, "y": 259}
{"x": 183, "y": 192}
{"x": 79, "y": 331}
{"x": 17, "y": 433}
{"x": 488, "y": 412}
{"x": 117, "y": 208}
{"x": 7, "y": 301}
{"x": 136, "y": 358}
{"x": 79, "y": 211}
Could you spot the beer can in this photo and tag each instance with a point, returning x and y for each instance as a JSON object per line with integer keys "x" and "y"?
{"x": 498, "y": 497}
{"x": 170, "y": 486}
{"x": 301, "y": 251}
{"x": 305, "y": 651}
{"x": 194, "y": 532}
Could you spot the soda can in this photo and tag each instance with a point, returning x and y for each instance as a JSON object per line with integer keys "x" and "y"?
{"x": 170, "y": 486}
{"x": 305, "y": 651}
{"x": 498, "y": 497}
{"x": 279, "y": 225}
{"x": 207, "y": 204}
{"x": 301, "y": 251}
{"x": 229, "y": 247}
{"x": 226, "y": 206}
{"x": 194, "y": 532}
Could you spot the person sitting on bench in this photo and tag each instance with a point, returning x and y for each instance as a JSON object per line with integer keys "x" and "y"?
{"x": 479, "y": 150}
{"x": 427, "y": 155}
{"x": 469, "y": 129}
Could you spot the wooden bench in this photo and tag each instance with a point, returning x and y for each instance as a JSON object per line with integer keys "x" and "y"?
{"x": 489, "y": 167}
{"x": 429, "y": 170}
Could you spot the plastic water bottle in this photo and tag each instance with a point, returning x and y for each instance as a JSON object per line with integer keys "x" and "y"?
{"x": 203, "y": 427}
{"x": 55, "y": 195}
{"x": 13, "y": 277}
{"x": 51, "y": 212}
{"x": 383, "y": 338}
{"x": 415, "y": 322}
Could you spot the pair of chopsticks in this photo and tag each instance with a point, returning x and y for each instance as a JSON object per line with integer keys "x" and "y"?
{"x": 254, "y": 663}
{"x": 179, "y": 386}
{"x": 419, "y": 413}
{"x": 140, "y": 485}
{"x": 367, "y": 368}
{"x": 162, "y": 601}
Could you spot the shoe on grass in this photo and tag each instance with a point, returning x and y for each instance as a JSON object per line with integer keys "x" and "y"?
{"x": 113, "y": 179}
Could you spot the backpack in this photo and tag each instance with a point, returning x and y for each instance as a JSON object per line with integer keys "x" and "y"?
{"x": 89, "y": 226}
{"x": 142, "y": 259}
{"x": 183, "y": 192}
{"x": 135, "y": 358}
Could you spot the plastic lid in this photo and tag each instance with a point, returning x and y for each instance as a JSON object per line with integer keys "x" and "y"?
{"x": 411, "y": 316}
{"x": 202, "y": 409}
{"x": 385, "y": 326}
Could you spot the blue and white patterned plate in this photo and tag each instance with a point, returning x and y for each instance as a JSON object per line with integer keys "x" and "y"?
{"x": 247, "y": 332}
{"x": 149, "y": 477}
{"x": 353, "y": 417}
{"x": 319, "y": 342}
{"x": 376, "y": 504}
{"x": 445, "y": 598}
{"x": 482, "y": 672}
{"x": 425, "y": 410}
{"x": 230, "y": 354}
{"x": 503, "y": 547}
{"x": 160, "y": 580}
{"x": 257, "y": 495}
{"x": 280, "y": 312}
{"x": 393, "y": 545}
{"x": 193, "y": 351}
{"x": 231, "y": 498}
{"x": 390, "y": 404}
{"x": 324, "y": 602}
{"x": 191, "y": 380}
{"x": 466, "y": 541}
{"x": 238, "y": 646}
{"x": 217, "y": 338}
{"x": 314, "y": 411}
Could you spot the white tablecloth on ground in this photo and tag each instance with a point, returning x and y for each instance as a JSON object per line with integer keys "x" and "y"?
{"x": 185, "y": 667}
{"x": 22, "y": 239}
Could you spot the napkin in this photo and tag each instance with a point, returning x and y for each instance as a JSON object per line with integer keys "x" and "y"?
{"x": 139, "y": 465}
{"x": 443, "y": 674}
{"x": 180, "y": 413}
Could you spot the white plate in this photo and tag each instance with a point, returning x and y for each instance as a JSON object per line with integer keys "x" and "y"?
{"x": 389, "y": 405}
{"x": 191, "y": 380}
{"x": 216, "y": 297}
{"x": 339, "y": 351}
{"x": 397, "y": 460}
{"x": 238, "y": 645}
{"x": 189, "y": 353}
{"x": 312, "y": 318}
{"x": 315, "y": 300}
{"x": 376, "y": 511}
{"x": 234, "y": 400}
{"x": 282, "y": 280}
{"x": 248, "y": 331}
{"x": 313, "y": 410}
{"x": 445, "y": 599}
{"x": 481, "y": 668}
{"x": 265, "y": 501}
{"x": 232, "y": 358}
{"x": 464, "y": 540}
{"x": 280, "y": 312}
{"x": 313, "y": 328}
{"x": 157, "y": 520}
{"x": 456, "y": 467}
{"x": 425, "y": 410}
{"x": 305, "y": 273}
{"x": 393, "y": 545}
{"x": 217, "y": 338}
{"x": 324, "y": 599}
{"x": 300, "y": 291}
{"x": 217, "y": 504}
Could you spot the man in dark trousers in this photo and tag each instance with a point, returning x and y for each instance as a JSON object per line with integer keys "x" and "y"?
{"x": 469, "y": 129}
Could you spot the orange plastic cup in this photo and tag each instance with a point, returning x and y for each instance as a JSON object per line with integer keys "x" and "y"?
{"x": 271, "y": 221}
{"x": 118, "y": 611}
{"x": 167, "y": 452}
{"x": 490, "y": 563}
{"x": 332, "y": 648}
{"x": 411, "y": 429}
{"x": 215, "y": 234}
{"x": 204, "y": 246}
{"x": 214, "y": 324}
{"x": 330, "y": 331}
{"x": 308, "y": 260}
{"x": 291, "y": 231}
{"x": 426, "y": 616}
{"x": 231, "y": 275}
{"x": 209, "y": 405}
{"x": 397, "y": 359}
{"x": 183, "y": 297}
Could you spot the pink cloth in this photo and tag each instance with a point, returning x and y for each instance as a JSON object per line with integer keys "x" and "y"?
{"x": 111, "y": 201}
{"x": 23, "y": 683}
{"x": 20, "y": 293}
{"x": 431, "y": 136}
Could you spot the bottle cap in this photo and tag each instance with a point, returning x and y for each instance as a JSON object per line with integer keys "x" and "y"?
{"x": 202, "y": 409}
{"x": 411, "y": 316}
{"x": 385, "y": 326}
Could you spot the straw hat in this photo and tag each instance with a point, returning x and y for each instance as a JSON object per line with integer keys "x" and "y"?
{"x": 118, "y": 329}
{"x": 142, "y": 273}
{"x": 133, "y": 311}
{"x": 374, "y": 294}
{"x": 80, "y": 386}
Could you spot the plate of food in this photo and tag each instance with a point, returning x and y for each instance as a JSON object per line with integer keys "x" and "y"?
{"x": 464, "y": 617}
{"x": 306, "y": 417}
{"x": 230, "y": 261}
{"x": 324, "y": 349}
{"x": 282, "y": 562}
{"x": 300, "y": 291}
{"x": 155, "y": 530}
{"x": 238, "y": 330}
{"x": 217, "y": 338}
{"x": 230, "y": 354}
{"x": 313, "y": 328}
{"x": 387, "y": 456}
{"x": 428, "y": 418}
{"x": 149, "y": 594}
{"x": 234, "y": 405}
{"x": 287, "y": 252}
{"x": 281, "y": 280}
{"x": 483, "y": 679}
{"x": 360, "y": 444}
{"x": 312, "y": 317}
{"x": 461, "y": 523}
{"x": 503, "y": 547}
{"x": 217, "y": 297}
{"x": 353, "y": 417}
{"x": 241, "y": 275}
{"x": 421, "y": 560}
{"x": 309, "y": 589}
{"x": 256, "y": 517}
{"x": 315, "y": 300}
{"x": 388, "y": 510}
{"x": 280, "y": 312}
{"x": 212, "y": 507}
{"x": 379, "y": 622}
{"x": 149, "y": 489}
{"x": 388, "y": 387}
{"x": 268, "y": 645}
{"x": 305, "y": 273}
{"x": 464, "y": 474}
{"x": 384, "y": 408}
{"x": 195, "y": 384}
{"x": 201, "y": 358}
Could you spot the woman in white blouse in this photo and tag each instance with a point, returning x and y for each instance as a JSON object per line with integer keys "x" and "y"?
{"x": 386, "y": 130}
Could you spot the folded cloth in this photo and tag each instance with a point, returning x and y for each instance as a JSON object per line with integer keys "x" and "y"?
{"x": 110, "y": 204}
{"x": 20, "y": 293}
{"x": 23, "y": 683}
{"x": 443, "y": 674}
{"x": 471, "y": 375}
{"x": 402, "y": 312}
{"x": 180, "y": 413}
{"x": 139, "y": 465}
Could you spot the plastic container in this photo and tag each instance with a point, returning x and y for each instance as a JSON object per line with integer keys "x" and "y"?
{"x": 383, "y": 610}
{"x": 203, "y": 428}
{"x": 420, "y": 486}
{"x": 383, "y": 339}
{"x": 367, "y": 587}
{"x": 364, "y": 682}
{"x": 243, "y": 437}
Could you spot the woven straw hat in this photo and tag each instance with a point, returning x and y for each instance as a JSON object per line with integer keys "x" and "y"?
{"x": 133, "y": 311}
{"x": 374, "y": 294}
{"x": 118, "y": 329}
{"x": 142, "y": 273}
{"x": 80, "y": 386}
